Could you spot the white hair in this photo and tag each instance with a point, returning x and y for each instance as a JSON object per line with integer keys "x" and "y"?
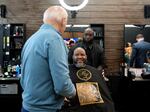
{"x": 55, "y": 12}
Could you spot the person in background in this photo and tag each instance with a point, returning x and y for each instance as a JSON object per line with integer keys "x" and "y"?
{"x": 95, "y": 54}
{"x": 128, "y": 51}
{"x": 92, "y": 92}
{"x": 80, "y": 39}
{"x": 45, "y": 75}
{"x": 139, "y": 49}
{"x": 71, "y": 43}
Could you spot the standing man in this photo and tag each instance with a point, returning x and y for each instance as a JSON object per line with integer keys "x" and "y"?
{"x": 45, "y": 75}
{"x": 95, "y": 54}
{"x": 139, "y": 49}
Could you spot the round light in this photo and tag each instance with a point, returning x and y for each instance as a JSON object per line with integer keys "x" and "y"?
{"x": 73, "y": 8}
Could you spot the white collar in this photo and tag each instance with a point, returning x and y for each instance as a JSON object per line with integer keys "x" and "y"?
{"x": 140, "y": 39}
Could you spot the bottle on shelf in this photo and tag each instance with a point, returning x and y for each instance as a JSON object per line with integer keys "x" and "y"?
{"x": 15, "y": 31}
{"x": 4, "y": 42}
{"x": 1, "y": 72}
{"x": 17, "y": 71}
{"x": 8, "y": 41}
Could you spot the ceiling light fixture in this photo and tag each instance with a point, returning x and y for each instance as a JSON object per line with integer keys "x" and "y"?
{"x": 73, "y": 8}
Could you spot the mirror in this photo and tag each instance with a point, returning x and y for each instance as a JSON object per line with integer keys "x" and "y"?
{"x": 135, "y": 51}
{"x": 73, "y": 34}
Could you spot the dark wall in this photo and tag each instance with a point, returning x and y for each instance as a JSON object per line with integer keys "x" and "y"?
{"x": 131, "y": 32}
{"x": 1, "y": 45}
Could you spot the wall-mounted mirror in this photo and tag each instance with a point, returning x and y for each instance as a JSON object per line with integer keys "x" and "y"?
{"x": 136, "y": 48}
{"x": 75, "y": 33}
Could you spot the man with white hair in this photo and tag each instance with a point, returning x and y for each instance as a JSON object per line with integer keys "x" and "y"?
{"x": 139, "y": 49}
{"x": 45, "y": 75}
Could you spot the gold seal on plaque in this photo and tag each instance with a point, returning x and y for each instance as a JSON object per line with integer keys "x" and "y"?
{"x": 84, "y": 74}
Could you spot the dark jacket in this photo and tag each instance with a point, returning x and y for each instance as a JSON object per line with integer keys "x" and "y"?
{"x": 138, "y": 57}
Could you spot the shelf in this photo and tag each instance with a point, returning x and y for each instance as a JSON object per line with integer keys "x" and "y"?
{"x": 12, "y": 78}
{"x": 17, "y": 37}
{"x": 98, "y": 33}
{"x": 12, "y": 40}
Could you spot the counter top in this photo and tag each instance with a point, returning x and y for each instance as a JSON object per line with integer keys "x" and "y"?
{"x": 10, "y": 78}
{"x": 140, "y": 79}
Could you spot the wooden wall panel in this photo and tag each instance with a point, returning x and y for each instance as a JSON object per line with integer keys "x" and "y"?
{"x": 113, "y": 13}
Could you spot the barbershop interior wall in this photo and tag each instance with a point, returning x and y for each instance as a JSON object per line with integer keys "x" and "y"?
{"x": 113, "y": 13}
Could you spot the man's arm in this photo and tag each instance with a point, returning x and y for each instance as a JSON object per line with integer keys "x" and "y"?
{"x": 59, "y": 69}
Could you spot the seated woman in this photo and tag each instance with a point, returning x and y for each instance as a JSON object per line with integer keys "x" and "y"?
{"x": 92, "y": 92}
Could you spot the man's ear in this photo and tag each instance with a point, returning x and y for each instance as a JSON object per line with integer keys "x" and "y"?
{"x": 64, "y": 21}
{"x": 63, "y": 24}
